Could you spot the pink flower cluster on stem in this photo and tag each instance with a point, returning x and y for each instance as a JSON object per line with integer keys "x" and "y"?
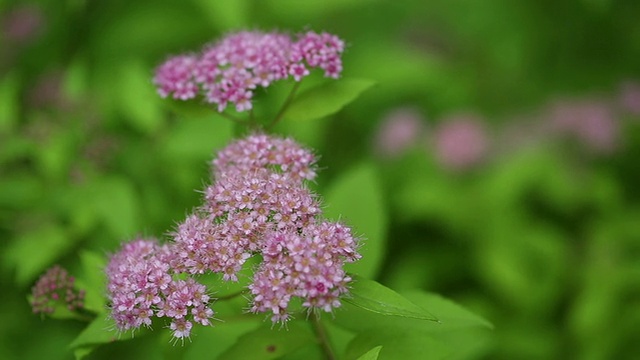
{"x": 141, "y": 286}
{"x": 229, "y": 71}
{"x": 259, "y": 205}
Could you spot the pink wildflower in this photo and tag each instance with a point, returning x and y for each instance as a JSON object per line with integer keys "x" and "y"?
{"x": 258, "y": 204}
{"x": 307, "y": 265}
{"x": 400, "y": 129}
{"x": 140, "y": 285}
{"x": 176, "y": 78}
{"x": 22, "y": 24}
{"x": 591, "y": 122}
{"x": 258, "y": 188}
{"x": 461, "y": 142}
{"x": 630, "y": 97}
{"x": 228, "y": 71}
{"x": 53, "y": 288}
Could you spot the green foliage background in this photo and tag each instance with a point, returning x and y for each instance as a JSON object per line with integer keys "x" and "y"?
{"x": 544, "y": 243}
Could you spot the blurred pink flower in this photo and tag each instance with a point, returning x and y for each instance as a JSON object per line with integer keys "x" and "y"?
{"x": 629, "y": 97}
{"x": 56, "y": 287}
{"x": 399, "y": 130}
{"x": 461, "y": 141}
{"x": 47, "y": 91}
{"x": 591, "y": 122}
{"x": 22, "y": 24}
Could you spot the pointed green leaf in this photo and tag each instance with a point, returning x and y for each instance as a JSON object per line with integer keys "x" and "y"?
{"x": 268, "y": 343}
{"x": 93, "y": 281}
{"x": 197, "y": 137}
{"x": 449, "y": 313}
{"x": 326, "y": 99}
{"x": 356, "y": 199}
{"x": 116, "y": 201}
{"x": 375, "y": 297}
{"x": 223, "y": 335}
{"x": 399, "y": 343}
{"x": 100, "y": 331}
{"x": 459, "y": 334}
{"x": 371, "y": 354}
{"x": 9, "y": 100}
{"x": 137, "y": 98}
{"x": 83, "y": 351}
{"x": 31, "y": 253}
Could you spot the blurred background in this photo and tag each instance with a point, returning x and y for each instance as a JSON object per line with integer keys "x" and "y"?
{"x": 503, "y": 138}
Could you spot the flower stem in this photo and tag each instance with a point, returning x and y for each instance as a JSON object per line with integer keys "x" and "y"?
{"x": 232, "y": 118}
{"x": 322, "y": 336}
{"x": 252, "y": 119}
{"x": 285, "y": 105}
{"x": 232, "y": 295}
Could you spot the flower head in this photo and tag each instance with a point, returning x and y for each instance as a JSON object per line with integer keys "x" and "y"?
{"x": 461, "y": 142}
{"x": 258, "y": 204}
{"x": 141, "y": 285}
{"x": 258, "y": 188}
{"x": 228, "y": 71}
{"x": 307, "y": 264}
{"x": 400, "y": 129}
{"x": 590, "y": 122}
{"x": 53, "y": 288}
{"x": 629, "y": 97}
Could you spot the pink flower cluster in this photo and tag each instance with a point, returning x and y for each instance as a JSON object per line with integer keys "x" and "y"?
{"x": 593, "y": 123}
{"x": 461, "y": 141}
{"x": 306, "y": 263}
{"x": 399, "y": 130}
{"x": 259, "y": 205}
{"x": 141, "y": 286}
{"x": 53, "y": 288}
{"x": 230, "y": 70}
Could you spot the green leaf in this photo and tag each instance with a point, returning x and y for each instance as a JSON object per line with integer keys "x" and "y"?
{"x": 31, "y": 253}
{"x": 459, "y": 334}
{"x": 116, "y": 202}
{"x": 371, "y": 354}
{"x": 326, "y": 99}
{"x": 81, "y": 352}
{"x": 9, "y": 100}
{"x": 377, "y": 298}
{"x": 100, "y": 331}
{"x": 93, "y": 281}
{"x": 137, "y": 97}
{"x": 356, "y": 197}
{"x": 399, "y": 343}
{"x": 226, "y": 14}
{"x": 75, "y": 83}
{"x": 197, "y": 138}
{"x": 448, "y": 312}
{"x": 223, "y": 335}
{"x": 268, "y": 343}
